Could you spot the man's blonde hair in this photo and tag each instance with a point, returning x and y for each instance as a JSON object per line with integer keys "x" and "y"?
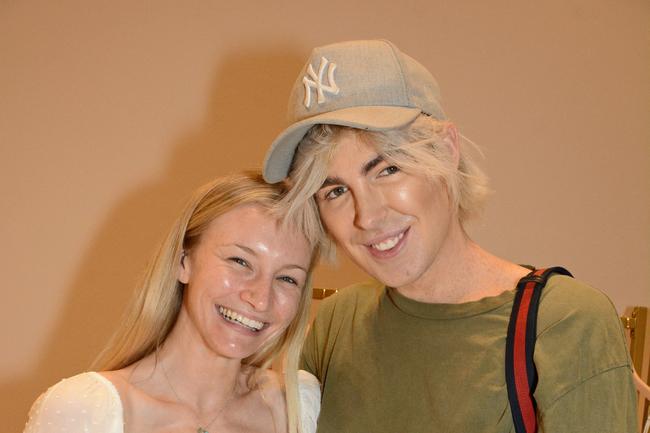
{"x": 417, "y": 148}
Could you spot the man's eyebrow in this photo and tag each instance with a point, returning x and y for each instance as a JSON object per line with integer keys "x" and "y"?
{"x": 367, "y": 167}
{"x": 334, "y": 180}
{"x": 371, "y": 164}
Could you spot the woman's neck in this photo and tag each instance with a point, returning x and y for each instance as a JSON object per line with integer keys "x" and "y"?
{"x": 185, "y": 369}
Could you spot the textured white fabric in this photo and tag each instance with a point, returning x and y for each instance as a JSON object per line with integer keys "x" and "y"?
{"x": 86, "y": 403}
{"x": 89, "y": 403}
{"x": 309, "y": 389}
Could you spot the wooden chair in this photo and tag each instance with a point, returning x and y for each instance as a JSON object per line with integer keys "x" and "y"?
{"x": 322, "y": 293}
{"x": 636, "y": 326}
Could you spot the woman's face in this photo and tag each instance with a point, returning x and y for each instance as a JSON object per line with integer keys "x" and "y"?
{"x": 244, "y": 278}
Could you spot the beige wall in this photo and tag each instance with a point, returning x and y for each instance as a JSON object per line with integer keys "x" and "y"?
{"x": 111, "y": 112}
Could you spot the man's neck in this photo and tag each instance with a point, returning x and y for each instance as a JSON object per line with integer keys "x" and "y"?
{"x": 463, "y": 272}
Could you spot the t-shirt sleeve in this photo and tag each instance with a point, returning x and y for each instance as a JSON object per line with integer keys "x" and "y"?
{"x": 86, "y": 403}
{"x": 585, "y": 381}
{"x": 601, "y": 404}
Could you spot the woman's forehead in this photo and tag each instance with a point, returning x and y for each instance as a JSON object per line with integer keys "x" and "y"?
{"x": 257, "y": 228}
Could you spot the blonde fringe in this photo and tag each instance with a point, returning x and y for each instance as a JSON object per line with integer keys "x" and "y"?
{"x": 416, "y": 148}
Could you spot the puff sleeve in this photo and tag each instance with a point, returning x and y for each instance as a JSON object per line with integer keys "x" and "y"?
{"x": 86, "y": 403}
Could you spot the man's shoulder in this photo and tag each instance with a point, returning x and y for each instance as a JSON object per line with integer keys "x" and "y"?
{"x": 579, "y": 339}
{"x": 568, "y": 299}
{"x": 352, "y": 301}
{"x": 339, "y": 319}
{"x": 357, "y": 295}
{"x": 579, "y": 322}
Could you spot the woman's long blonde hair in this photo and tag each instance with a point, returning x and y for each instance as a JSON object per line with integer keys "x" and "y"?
{"x": 153, "y": 311}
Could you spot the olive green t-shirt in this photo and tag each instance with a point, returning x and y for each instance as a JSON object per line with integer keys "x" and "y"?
{"x": 390, "y": 364}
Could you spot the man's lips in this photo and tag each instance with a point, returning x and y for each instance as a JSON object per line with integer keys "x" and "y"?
{"x": 387, "y": 246}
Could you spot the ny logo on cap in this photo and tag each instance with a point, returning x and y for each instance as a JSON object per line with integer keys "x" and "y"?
{"x": 316, "y": 82}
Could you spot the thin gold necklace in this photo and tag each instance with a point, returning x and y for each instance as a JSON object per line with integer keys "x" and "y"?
{"x": 199, "y": 429}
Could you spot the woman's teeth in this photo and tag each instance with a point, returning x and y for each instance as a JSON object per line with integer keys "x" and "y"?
{"x": 388, "y": 243}
{"x": 234, "y": 317}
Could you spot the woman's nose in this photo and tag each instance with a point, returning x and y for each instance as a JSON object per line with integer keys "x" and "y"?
{"x": 257, "y": 293}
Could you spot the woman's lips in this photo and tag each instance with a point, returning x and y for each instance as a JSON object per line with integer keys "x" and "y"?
{"x": 234, "y": 317}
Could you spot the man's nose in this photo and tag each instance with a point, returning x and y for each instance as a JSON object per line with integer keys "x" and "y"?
{"x": 370, "y": 209}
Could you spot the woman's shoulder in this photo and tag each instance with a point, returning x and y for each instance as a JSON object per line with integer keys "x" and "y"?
{"x": 309, "y": 390}
{"x": 272, "y": 387}
{"x": 272, "y": 384}
{"x": 88, "y": 390}
{"x": 308, "y": 386}
{"x": 85, "y": 402}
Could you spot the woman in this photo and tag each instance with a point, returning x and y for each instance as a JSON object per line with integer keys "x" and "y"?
{"x": 228, "y": 291}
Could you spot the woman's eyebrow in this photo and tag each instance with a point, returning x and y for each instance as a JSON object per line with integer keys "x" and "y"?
{"x": 296, "y": 267}
{"x": 245, "y": 248}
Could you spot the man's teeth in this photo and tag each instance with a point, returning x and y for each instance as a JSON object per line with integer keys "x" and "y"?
{"x": 234, "y": 317}
{"x": 388, "y": 243}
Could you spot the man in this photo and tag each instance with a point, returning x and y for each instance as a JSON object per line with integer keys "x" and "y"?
{"x": 423, "y": 348}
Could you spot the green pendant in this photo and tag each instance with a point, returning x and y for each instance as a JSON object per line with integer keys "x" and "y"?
{"x": 201, "y": 430}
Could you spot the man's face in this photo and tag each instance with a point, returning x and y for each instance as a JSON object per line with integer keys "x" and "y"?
{"x": 391, "y": 223}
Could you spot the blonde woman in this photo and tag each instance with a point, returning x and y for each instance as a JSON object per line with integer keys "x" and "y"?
{"x": 228, "y": 292}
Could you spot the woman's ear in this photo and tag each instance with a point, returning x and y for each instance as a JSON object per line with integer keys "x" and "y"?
{"x": 452, "y": 138}
{"x": 184, "y": 271}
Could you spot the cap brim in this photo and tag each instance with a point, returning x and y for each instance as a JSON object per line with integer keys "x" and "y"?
{"x": 280, "y": 155}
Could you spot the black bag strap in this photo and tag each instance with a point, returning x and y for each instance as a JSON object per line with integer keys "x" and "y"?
{"x": 521, "y": 375}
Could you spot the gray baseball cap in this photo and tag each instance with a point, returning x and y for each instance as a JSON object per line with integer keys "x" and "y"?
{"x": 368, "y": 85}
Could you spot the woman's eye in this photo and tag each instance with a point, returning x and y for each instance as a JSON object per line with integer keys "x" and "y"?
{"x": 335, "y": 192}
{"x": 239, "y": 261}
{"x": 391, "y": 169}
{"x": 288, "y": 279}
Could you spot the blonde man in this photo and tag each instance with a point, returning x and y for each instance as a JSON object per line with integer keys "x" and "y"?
{"x": 423, "y": 348}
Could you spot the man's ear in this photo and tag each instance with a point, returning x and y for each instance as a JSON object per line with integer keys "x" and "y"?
{"x": 184, "y": 270}
{"x": 452, "y": 138}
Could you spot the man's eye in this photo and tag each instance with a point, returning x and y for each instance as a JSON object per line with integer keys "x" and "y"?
{"x": 391, "y": 169}
{"x": 335, "y": 192}
{"x": 239, "y": 261}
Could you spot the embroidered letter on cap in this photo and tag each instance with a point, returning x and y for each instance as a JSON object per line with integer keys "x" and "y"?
{"x": 317, "y": 82}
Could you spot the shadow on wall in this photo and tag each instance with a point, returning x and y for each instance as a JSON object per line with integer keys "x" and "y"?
{"x": 246, "y": 110}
